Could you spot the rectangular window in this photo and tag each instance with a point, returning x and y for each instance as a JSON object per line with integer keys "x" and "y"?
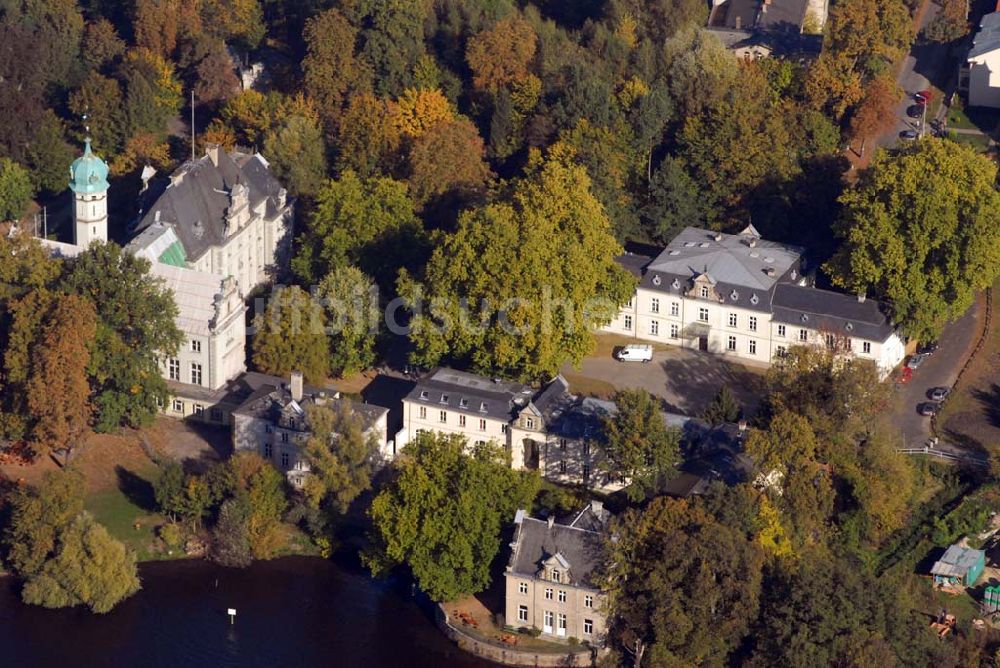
{"x": 654, "y": 327}
{"x": 753, "y": 346}
{"x": 561, "y": 628}
{"x": 586, "y": 447}
{"x": 267, "y": 451}
{"x": 562, "y": 595}
{"x": 529, "y": 423}
{"x": 443, "y": 417}
{"x": 780, "y": 351}
{"x": 503, "y": 429}
{"x": 675, "y": 309}
{"x": 178, "y": 406}
{"x": 654, "y": 305}
{"x": 562, "y": 443}
{"x": 830, "y": 341}
{"x": 731, "y": 343}
{"x": 268, "y": 429}
{"x": 781, "y": 331}
{"x": 199, "y": 410}
{"x": 732, "y": 320}
{"x": 522, "y": 613}
{"x": 215, "y": 415}
{"x": 588, "y": 601}
{"x": 174, "y": 367}
{"x": 588, "y": 627}
{"x": 703, "y": 314}
{"x": 753, "y": 323}
{"x": 461, "y": 420}
{"x": 284, "y": 437}
{"x": 674, "y": 331}
{"x": 556, "y": 575}
{"x": 195, "y": 346}
{"x": 866, "y": 347}
{"x": 423, "y": 412}
{"x": 522, "y": 587}
{"x": 803, "y": 335}
{"x": 562, "y": 467}
{"x": 547, "y": 622}
{"x": 482, "y": 424}
{"x": 548, "y": 593}
{"x": 704, "y": 292}
{"x": 284, "y": 460}
{"x": 631, "y": 302}
{"x": 586, "y": 471}
{"x": 628, "y": 323}
{"x": 195, "y": 373}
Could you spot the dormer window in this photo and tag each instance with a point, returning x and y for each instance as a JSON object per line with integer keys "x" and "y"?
{"x": 423, "y": 394}
{"x": 704, "y": 292}
{"x": 464, "y": 403}
{"x": 444, "y": 398}
{"x": 529, "y": 423}
{"x": 556, "y": 575}
{"x": 482, "y": 407}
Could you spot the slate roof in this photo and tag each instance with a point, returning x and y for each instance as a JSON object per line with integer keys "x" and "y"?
{"x": 471, "y": 394}
{"x": 535, "y": 542}
{"x": 554, "y": 399}
{"x": 198, "y": 195}
{"x": 957, "y": 561}
{"x": 271, "y": 398}
{"x": 829, "y": 311}
{"x": 987, "y": 39}
{"x": 782, "y": 14}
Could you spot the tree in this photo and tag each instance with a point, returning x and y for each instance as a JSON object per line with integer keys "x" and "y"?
{"x": 951, "y": 23}
{"x": 152, "y": 91}
{"x": 368, "y": 139}
{"x": 38, "y": 515}
{"x": 331, "y": 73}
{"x": 48, "y": 154}
{"x": 365, "y": 222}
{"x": 701, "y": 71}
{"x": 350, "y": 301}
{"x": 447, "y": 159}
{"x": 217, "y": 80}
{"x": 443, "y": 514}
{"x": 254, "y": 492}
{"x": 290, "y": 335}
{"x": 537, "y": 306}
{"x": 241, "y": 21}
{"x": 682, "y": 589}
{"x": 501, "y": 55}
{"x": 16, "y": 190}
{"x": 341, "y": 457}
{"x": 417, "y": 111}
{"x": 58, "y": 391}
{"x": 89, "y": 568}
{"x": 101, "y": 44}
{"x": 921, "y": 230}
{"x": 136, "y": 326}
{"x": 100, "y": 99}
{"x": 156, "y": 26}
{"x": 230, "y": 538}
{"x": 144, "y": 148}
{"x": 297, "y": 154}
{"x": 248, "y": 115}
{"x": 638, "y": 444}
{"x": 724, "y": 408}
{"x": 392, "y": 40}
{"x": 168, "y": 490}
{"x": 675, "y": 202}
{"x": 875, "y": 113}
{"x": 658, "y": 20}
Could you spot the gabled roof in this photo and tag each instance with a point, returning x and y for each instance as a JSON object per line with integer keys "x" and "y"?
{"x": 536, "y": 542}
{"x": 987, "y": 39}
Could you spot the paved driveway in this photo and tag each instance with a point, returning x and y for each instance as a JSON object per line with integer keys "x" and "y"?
{"x": 940, "y": 369}
{"x": 686, "y": 380}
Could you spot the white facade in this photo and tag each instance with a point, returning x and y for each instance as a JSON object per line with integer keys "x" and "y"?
{"x": 90, "y": 217}
{"x": 984, "y": 64}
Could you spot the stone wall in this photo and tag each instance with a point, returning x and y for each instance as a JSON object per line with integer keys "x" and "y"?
{"x": 511, "y": 656}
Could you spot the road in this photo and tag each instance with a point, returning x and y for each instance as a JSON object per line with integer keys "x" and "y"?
{"x": 927, "y": 65}
{"x": 939, "y": 370}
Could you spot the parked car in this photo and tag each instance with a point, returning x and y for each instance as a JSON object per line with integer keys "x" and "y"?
{"x": 635, "y": 352}
{"x": 929, "y": 408}
{"x": 923, "y": 96}
{"x": 939, "y": 393}
{"x": 905, "y": 375}
{"x": 916, "y": 360}
{"x": 915, "y": 111}
{"x": 928, "y": 348}
{"x": 908, "y": 134}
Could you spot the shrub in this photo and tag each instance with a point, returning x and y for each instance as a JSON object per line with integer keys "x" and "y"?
{"x": 172, "y": 535}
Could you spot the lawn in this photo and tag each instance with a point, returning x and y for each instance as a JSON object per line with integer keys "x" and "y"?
{"x": 121, "y": 516}
{"x": 980, "y": 143}
{"x": 975, "y": 118}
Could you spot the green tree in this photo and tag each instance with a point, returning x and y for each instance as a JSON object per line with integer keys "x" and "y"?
{"x": 701, "y": 71}
{"x": 369, "y": 223}
{"x": 152, "y": 92}
{"x": 638, "y": 444}
{"x": 58, "y": 391}
{"x": 391, "y": 41}
{"x": 16, "y": 190}
{"x": 443, "y": 514}
{"x": 331, "y": 73}
{"x": 48, "y": 154}
{"x": 136, "y": 316}
{"x": 290, "y": 335}
{"x": 682, "y": 588}
{"x": 100, "y": 98}
{"x": 921, "y": 229}
{"x": 297, "y": 154}
{"x": 89, "y": 568}
{"x": 168, "y": 489}
{"x": 350, "y": 301}
{"x": 537, "y": 305}
{"x": 231, "y": 535}
{"x": 37, "y": 516}
{"x": 675, "y": 202}
{"x": 101, "y": 44}
{"x": 724, "y": 407}
{"x": 341, "y": 457}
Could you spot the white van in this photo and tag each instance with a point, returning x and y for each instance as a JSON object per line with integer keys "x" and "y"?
{"x": 636, "y": 353}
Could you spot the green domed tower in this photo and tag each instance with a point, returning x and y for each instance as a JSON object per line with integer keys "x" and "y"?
{"x": 88, "y": 179}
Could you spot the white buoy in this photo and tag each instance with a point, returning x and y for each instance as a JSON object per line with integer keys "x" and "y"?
{"x": 232, "y": 615}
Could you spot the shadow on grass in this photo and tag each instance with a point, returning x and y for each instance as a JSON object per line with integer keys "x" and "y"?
{"x": 989, "y": 399}
{"x": 137, "y": 489}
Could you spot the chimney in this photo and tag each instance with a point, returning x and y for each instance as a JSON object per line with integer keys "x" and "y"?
{"x": 769, "y": 271}
{"x": 296, "y": 386}
{"x": 212, "y": 151}
{"x": 742, "y": 424}
{"x": 753, "y": 242}
{"x": 552, "y": 520}
{"x": 596, "y": 507}
{"x": 718, "y": 236}
{"x": 177, "y": 177}
{"x": 739, "y": 22}
{"x": 861, "y": 297}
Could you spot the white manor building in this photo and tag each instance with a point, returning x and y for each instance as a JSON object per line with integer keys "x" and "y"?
{"x": 741, "y": 296}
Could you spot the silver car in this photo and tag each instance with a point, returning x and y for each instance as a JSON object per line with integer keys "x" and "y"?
{"x": 939, "y": 393}
{"x": 916, "y": 360}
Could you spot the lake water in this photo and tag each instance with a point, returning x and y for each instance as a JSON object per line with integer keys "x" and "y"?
{"x": 290, "y": 612}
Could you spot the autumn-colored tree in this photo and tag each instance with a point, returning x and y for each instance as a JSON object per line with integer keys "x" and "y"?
{"x": 240, "y": 21}
{"x": 218, "y": 134}
{"x": 101, "y": 44}
{"x": 248, "y": 115}
{"x": 156, "y": 26}
{"x": 876, "y": 113}
{"x": 368, "y": 138}
{"x": 502, "y": 54}
{"x": 37, "y": 515}
{"x": 416, "y": 111}
{"x": 217, "y": 80}
{"x": 331, "y": 72}
{"x": 58, "y": 389}
{"x": 449, "y": 158}
{"x": 290, "y": 335}
{"x": 951, "y": 23}
{"x": 144, "y": 148}
{"x": 152, "y": 91}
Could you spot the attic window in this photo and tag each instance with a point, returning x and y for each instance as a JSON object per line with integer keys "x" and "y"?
{"x": 464, "y": 403}
{"x": 676, "y": 284}
{"x": 769, "y": 260}
{"x": 805, "y": 317}
{"x": 754, "y": 299}
{"x": 849, "y": 327}
{"x": 734, "y": 295}
{"x": 703, "y": 244}
{"x": 689, "y": 244}
{"x": 482, "y": 406}
{"x": 656, "y": 279}
{"x": 423, "y": 394}
{"x": 675, "y": 252}
{"x": 444, "y": 398}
